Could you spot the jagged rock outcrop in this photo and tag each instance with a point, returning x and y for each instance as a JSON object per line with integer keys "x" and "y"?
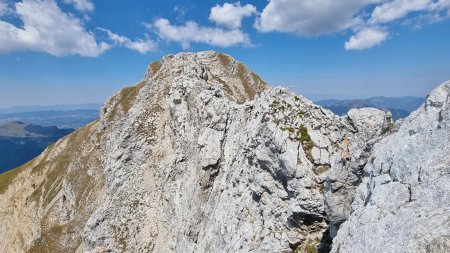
{"x": 201, "y": 156}
{"x": 403, "y": 201}
{"x": 369, "y": 125}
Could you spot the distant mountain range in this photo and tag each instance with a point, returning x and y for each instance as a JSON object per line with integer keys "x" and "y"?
{"x": 62, "y": 116}
{"x": 400, "y": 107}
{"x": 21, "y": 142}
{"x": 37, "y": 108}
{"x": 63, "y": 119}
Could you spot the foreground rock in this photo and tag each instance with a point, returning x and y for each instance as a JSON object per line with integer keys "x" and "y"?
{"x": 201, "y": 156}
{"x": 368, "y": 125}
{"x": 403, "y": 202}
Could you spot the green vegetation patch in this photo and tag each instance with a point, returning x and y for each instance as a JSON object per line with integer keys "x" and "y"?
{"x": 225, "y": 86}
{"x": 7, "y": 177}
{"x": 309, "y": 247}
{"x": 274, "y": 104}
{"x": 224, "y": 59}
{"x": 303, "y": 134}
{"x": 306, "y": 141}
{"x": 249, "y": 90}
{"x": 155, "y": 67}
{"x": 127, "y": 97}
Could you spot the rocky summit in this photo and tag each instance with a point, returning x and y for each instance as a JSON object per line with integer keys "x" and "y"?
{"x": 204, "y": 156}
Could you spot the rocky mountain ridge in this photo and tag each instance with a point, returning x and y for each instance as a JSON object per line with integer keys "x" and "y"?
{"x": 201, "y": 156}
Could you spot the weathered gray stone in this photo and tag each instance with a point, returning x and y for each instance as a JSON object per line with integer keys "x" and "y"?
{"x": 403, "y": 202}
{"x": 367, "y": 126}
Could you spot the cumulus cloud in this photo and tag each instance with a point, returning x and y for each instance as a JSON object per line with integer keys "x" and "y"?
{"x": 366, "y": 38}
{"x": 396, "y": 9}
{"x": 319, "y": 17}
{"x": 231, "y": 15}
{"x": 142, "y": 46}
{"x": 192, "y": 32}
{"x": 46, "y": 28}
{"x": 310, "y": 18}
{"x": 81, "y": 5}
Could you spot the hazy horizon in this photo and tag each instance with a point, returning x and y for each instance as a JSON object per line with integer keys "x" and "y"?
{"x": 100, "y": 103}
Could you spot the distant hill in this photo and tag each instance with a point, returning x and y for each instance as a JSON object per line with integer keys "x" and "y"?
{"x": 21, "y": 142}
{"x": 400, "y": 107}
{"x": 60, "y": 118}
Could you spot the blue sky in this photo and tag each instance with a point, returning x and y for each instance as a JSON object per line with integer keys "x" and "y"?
{"x": 82, "y": 51}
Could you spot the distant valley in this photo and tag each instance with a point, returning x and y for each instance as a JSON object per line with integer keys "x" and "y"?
{"x": 25, "y": 131}
{"x": 20, "y": 142}
{"x": 400, "y": 107}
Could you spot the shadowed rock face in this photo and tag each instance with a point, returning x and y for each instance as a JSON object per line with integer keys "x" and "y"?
{"x": 201, "y": 156}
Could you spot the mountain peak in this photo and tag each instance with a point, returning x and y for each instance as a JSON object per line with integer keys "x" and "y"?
{"x": 184, "y": 75}
{"x": 210, "y": 68}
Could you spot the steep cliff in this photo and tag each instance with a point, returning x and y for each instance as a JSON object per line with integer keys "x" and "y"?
{"x": 201, "y": 156}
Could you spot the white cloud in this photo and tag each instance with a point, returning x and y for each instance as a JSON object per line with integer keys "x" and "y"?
{"x": 191, "y": 32}
{"x": 310, "y": 18}
{"x": 47, "y": 29}
{"x": 81, "y": 5}
{"x": 396, "y": 9}
{"x": 366, "y": 38}
{"x": 143, "y": 46}
{"x": 3, "y": 7}
{"x": 319, "y": 17}
{"x": 231, "y": 15}
{"x": 440, "y": 5}
{"x": 180, "y": 12}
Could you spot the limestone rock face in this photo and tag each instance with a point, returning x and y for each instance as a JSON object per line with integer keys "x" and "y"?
{"x": 368, "y": 125}
{"x": 403, "y": 201}
{"x": 205, "y": 161}
{"x": 202, "y": 156}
